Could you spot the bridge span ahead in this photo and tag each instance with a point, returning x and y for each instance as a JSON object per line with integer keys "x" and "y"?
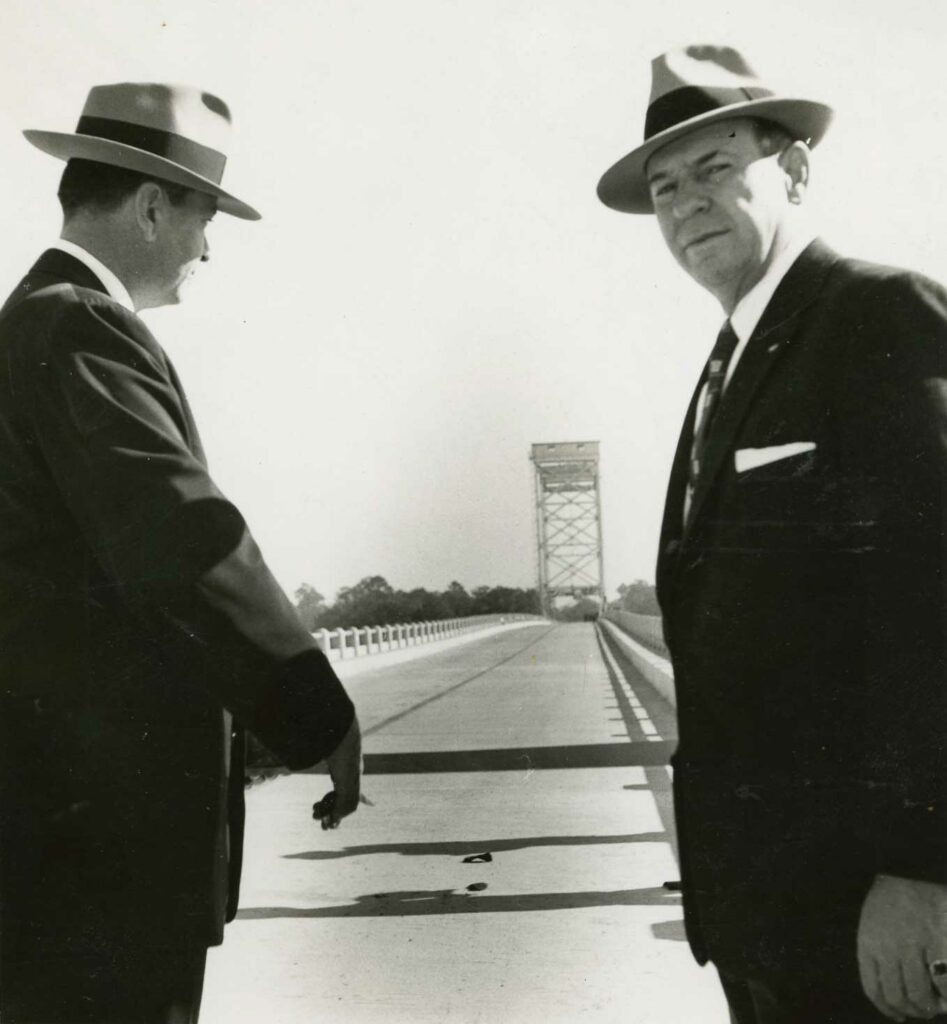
{"x": 511, "y": 869}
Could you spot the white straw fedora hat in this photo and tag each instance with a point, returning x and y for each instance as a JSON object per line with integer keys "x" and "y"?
{"x": 693, "y": 87}
{"x": 174, "y": 132}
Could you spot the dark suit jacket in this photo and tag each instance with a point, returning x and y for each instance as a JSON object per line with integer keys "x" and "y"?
{"x": 804, "y": 611}
{"x": 137, "y": 621}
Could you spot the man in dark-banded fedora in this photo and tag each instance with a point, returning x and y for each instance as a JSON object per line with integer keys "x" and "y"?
{"x": 140, "y": 630}
{"x": 801, "y": 572}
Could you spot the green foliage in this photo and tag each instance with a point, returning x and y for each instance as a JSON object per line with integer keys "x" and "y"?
{"x": 310, "y": 604}
{"x": 639, "y": 597}
{"x": 581, "y": 610}
{"x": 373, "y": 602}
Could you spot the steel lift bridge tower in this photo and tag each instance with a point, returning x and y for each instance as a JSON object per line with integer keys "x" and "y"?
{"x": 568, "y": 522}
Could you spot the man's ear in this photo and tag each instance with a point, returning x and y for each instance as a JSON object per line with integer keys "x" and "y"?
{"x": 147, "y": 204}
{"x": 794, "y": 160}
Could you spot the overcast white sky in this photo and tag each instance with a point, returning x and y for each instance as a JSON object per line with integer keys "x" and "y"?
{"x": 434, "y": 286}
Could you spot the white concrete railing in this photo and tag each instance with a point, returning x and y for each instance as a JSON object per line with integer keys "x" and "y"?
{"x": 639, "y": 636}
{"x": 646, "y": 629}
{"x": 360, "y": 641}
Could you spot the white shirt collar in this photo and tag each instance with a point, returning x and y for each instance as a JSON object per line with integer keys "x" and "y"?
{"x": 110, "y": 281}
{"x": 750, "y": 308}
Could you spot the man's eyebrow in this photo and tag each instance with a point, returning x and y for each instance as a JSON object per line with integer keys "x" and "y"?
{"x": 656, "y": 176}
{"x": 699, "y": 162}
{"x": 712, "y": 154}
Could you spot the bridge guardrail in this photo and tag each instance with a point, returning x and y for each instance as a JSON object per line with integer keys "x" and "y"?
{"x": 646, "y": 629}
{"x": 642, "y": 639}
{"x": 361, "y": 641}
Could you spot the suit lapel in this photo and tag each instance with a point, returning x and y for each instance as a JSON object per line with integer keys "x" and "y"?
{"x": 774, "y": 333}
{"x": 758, "y": 359}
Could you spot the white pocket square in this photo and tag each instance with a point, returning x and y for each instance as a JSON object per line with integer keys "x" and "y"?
{"x": 753, "y": 458}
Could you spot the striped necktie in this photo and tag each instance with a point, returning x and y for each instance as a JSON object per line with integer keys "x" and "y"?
{"x": 716, "y": 375}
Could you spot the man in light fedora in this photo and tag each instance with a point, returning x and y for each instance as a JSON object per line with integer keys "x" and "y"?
{"x": 801, "y": 572}
{"x": 140, "y": 630}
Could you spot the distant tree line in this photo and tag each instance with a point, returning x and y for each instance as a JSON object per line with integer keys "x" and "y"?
{"x": 638, "y": 597}
{"x": 374, "y": 602}
{"x": 582, "y": 610}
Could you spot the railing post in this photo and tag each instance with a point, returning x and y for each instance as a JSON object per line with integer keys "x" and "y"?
{"x": 325, "y": 642}
{"x": 340, "y": 633}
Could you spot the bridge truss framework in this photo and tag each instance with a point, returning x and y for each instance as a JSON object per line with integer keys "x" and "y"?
{"x": 568, "y": 521}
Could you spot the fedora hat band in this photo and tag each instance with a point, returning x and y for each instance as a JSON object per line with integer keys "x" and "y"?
{"x": 680, "y": 105}
{"x": 193, "y": 156}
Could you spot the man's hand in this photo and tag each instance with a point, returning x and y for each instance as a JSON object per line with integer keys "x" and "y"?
{"x": 345, "y": 768}
{"x": 903, "y": 929}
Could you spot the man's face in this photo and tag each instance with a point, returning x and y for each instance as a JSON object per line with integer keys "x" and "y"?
{"x": 180, "y": 245}
{"x": 719, "y": 203}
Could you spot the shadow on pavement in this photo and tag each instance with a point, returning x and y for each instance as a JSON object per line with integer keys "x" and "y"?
{"x": 450, "y": 901}
{"x": 587, "y": 755}
{"x": 460, "y": 849}
{"x": 660, "y": 712}
{"x": 669, "y": 931}
{"x": 658, "y": 782}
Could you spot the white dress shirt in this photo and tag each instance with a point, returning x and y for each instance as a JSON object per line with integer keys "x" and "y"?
{"x": 113, "y": 285}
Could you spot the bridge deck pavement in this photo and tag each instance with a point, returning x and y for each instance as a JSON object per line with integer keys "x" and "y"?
{"x": 535, "y": 746}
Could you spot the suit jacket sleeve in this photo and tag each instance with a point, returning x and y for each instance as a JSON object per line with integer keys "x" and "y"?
{"x": 113, "y": 427}
{"x": 897, "y": 427}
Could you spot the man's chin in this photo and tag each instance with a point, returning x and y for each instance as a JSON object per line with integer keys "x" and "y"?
{"x": 173, "y": 297}
{"x": 706, "y": 269}
{"x": 157, "y": 301}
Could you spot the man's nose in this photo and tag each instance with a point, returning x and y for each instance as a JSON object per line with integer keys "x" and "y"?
{"x": 205, "y": 255}
{"x": 689, "y": 198}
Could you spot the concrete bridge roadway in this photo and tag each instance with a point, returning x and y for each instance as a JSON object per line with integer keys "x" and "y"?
{"x": 540, "y": 746}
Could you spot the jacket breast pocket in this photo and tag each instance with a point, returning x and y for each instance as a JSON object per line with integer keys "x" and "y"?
{"x": 798, "y": 504}
{"x": 776, "y": 462}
